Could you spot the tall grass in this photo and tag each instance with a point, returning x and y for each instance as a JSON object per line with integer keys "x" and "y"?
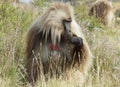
{"x": 104, "y": 43}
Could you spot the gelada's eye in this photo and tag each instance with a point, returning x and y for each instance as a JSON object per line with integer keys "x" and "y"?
{"x": 68, "y": 20}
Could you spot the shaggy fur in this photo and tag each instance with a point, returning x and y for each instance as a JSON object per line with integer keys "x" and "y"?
{"x": 103, "y": 9}
{"x": 48, "y": 29}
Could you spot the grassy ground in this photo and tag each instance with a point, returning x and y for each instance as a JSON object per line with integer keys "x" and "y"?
{"x": 104, "y": 43}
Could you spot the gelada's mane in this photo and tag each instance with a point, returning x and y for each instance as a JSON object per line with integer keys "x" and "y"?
{"x": 51, "y": 21}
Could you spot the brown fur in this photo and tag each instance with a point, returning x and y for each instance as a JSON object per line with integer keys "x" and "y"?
{"x": 48, "y": 28}
{"x": 103, "y": 9}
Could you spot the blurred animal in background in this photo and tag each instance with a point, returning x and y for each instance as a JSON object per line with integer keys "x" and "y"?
{"x": 103, "y": 9}
{"x": 56, "y": 44}
{"x": 117, "y": 13}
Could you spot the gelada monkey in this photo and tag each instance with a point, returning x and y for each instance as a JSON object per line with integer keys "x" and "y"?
{"x": 56, "y": 44}
{"x": 103, "y": 9}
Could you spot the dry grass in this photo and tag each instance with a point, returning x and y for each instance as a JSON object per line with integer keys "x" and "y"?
{"x": 104, "y": 43}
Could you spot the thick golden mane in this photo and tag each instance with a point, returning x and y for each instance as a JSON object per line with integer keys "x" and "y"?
{"x": 66, "y": 7}
{"x": 50, "y": 22}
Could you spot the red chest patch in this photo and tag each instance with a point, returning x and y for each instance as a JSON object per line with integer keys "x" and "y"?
{"x": 54, "y": 47}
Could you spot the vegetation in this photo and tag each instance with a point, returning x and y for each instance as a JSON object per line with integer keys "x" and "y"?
{"x": 104, "y": 43}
